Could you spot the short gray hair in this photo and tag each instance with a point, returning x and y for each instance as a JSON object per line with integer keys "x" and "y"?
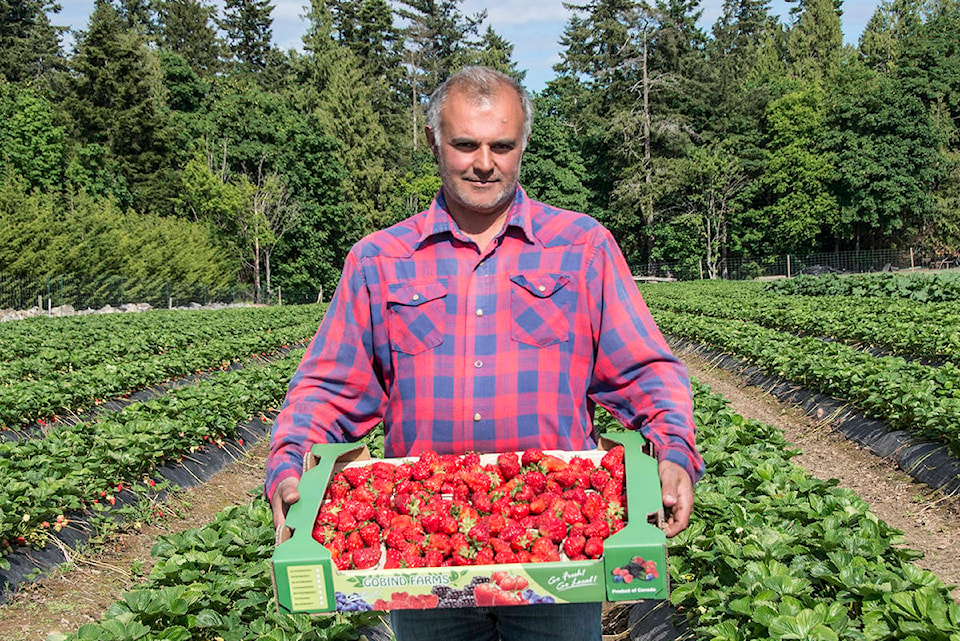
{"x": 482, "y": 84}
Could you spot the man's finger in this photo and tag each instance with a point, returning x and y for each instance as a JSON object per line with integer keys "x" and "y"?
{"x": 677, "y": 495}
{"x": 283, "y": 497}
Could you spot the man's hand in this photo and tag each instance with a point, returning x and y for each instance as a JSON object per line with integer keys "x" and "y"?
{"x": 677, "y": 491}
{"x": 285, "y": 495}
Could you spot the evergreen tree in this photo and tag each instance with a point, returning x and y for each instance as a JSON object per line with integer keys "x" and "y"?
{"x": 436, "y": 37}
{"x": 186, "y": 27}
{"x": 29, "y": 44}
{"x": 116, "y": 98}
{"x": 815, "y": 40}
{"x": 892, "y": 21}
{"x": 493, "y": 51}
{"x": 249, "y": 28}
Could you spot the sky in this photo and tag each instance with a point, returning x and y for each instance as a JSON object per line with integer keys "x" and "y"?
{"x": 533, "y": 27}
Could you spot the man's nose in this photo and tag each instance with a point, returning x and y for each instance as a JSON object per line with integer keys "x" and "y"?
{"x": 483, "y": 161}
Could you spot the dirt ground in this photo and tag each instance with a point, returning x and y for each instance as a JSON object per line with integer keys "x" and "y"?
{"x": 82, "y": 592}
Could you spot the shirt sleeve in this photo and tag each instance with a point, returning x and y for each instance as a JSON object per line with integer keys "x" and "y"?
{"x": 636, "y": 376}
{"x": 335, "y": 395}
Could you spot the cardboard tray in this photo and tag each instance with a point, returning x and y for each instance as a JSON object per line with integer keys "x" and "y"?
{"x": 306, "y": 580}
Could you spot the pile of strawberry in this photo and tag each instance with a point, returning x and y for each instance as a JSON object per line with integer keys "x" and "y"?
{"x": 447, "y": 510}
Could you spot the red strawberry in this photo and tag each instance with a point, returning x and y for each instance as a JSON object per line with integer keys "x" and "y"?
{"x": 551, "y": 527}
{"x": 484, "y": 556}
{"x": 505, "y": 556}
{"x": 598, "y": 528}
{"x": 574, "y": 544}
{"x": 599, "y": 478}
{"x": 356, "y": 476}
{"x": 392, "y": 559}
{"x": 594, "y": 506}
{"x": 481, "y": 501}
{"x": 572, "y": 513}
{"x": 355, "y": 541}
{"x": 544, "y": 550}
{"x": 593, "y": 548}
{"x": 535, "y": 480}
{"x": 432, "y": 559}
{"x": 370, "y": 533}
{"x": 550, "y": 463}
{"x": 531, "y": 456}
{"x": 509, "y": 464}
{"x": 365, "y": 557}
{"x": 519, "y": 510}
{"x": 613, "y": 459}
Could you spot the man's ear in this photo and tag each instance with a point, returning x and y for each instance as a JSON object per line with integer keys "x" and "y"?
{"x": 431, "y": 140}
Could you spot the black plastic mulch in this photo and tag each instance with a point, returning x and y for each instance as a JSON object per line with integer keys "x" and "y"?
{"x": 927, "y": 462}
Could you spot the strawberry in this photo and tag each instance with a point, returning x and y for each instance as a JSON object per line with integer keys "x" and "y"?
{"x": 593, "y": 548}
{"x": 613, "y": 489}
{"x": 431, "y": 522}
{"x": 370, "y": 533}
{"x": 551, "y": 527}
{"x": 550, "y": 463}
{"x": 485, "y": 556}
{"x": 505, "y": 556}
{"x": 355, "y": 541}
{"x": 576, "y": 494}
{"x": 594, "y": 506}
{"x": 535, "y": 480}
{"x": 598, "y": 528}
{"x": 496, "y": 522}
{"x": 509, "y": 464}
{"x": 346, "y": 521}
{"x": 432, "y": 559}
{"x": 481, "y": 502}
{"x": 572, "y": 513}
{"x": 531, "y": 456}
{"x": 573, "y": 545}
{"x": 566, "y": 477}
{"x": 599, "y": 478}
{"x": 613, "y": 459}
{"x": 365, "y": 557}
{"x": 480, "y": 533}
{"x": 544, "y": 550}
{"x": 356, "y": 476}
{"x": 438, "y": 543}
{"x": 392, "y": 559}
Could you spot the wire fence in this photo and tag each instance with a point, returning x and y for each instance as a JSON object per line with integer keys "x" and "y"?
{"x": 97, "y": 292}
{"x": 102, "y": 291}
{"x": 876, "y": 260}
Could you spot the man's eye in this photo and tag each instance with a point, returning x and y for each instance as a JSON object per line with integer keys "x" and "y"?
{"x": 465, "y": 146}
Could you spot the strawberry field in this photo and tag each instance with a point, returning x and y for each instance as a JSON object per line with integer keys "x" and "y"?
{"x": 96, "y": 410}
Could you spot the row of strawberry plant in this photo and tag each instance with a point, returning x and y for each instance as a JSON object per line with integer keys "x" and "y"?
{"x": 43, "y": 344}
{"x": 898, "y": 326}
{"x": 771, "y": 554}
{"x": 922, "y": 287}
{"x": 44, "y": 479}
{"x": 25, "y": 401}
{"x": 905, "y": 395}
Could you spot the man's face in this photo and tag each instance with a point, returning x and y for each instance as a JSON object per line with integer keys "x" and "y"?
{"x": 479, "y": 153}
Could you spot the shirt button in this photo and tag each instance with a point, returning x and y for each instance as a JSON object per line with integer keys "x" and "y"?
{"x": 542, "y": 288}
{"x": 416, "y": 297}
{"x": 479, "y": 312}
{"x": 477, "y": 417}
{"x": 478, "y": 363}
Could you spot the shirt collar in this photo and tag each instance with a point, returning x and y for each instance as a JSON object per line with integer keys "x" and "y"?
{"x": 439, "y": 221}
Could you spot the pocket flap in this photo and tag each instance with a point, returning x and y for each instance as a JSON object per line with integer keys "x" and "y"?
{"x": 541, "y": 285}
{"x": 416, "y": 293}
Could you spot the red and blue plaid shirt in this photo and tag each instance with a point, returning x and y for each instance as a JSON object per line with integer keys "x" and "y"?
{"x": 457, "y": 350}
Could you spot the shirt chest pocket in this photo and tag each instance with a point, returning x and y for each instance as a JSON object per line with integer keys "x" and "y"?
{"x": 416, "y": 315}
{"x": 540, "y": 307}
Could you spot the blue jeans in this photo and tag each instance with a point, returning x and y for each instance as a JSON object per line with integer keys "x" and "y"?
{"x": 558, "y": 622}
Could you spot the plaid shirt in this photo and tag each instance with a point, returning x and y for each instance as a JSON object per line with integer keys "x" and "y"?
{"x": 457, "y": 350}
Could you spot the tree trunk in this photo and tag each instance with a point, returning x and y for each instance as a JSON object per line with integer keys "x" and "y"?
{"x": 256, "y": 270}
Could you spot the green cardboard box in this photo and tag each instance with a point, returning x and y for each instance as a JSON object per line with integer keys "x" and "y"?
{"x": 306, "y": 580}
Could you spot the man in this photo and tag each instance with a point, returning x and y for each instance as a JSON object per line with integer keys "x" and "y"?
{"x": 487, "y": 323}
